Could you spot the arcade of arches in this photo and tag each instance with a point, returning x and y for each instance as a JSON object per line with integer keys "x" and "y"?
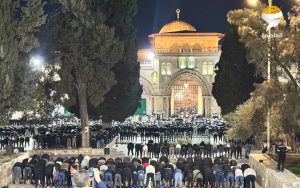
{"x": 178, "y": 71}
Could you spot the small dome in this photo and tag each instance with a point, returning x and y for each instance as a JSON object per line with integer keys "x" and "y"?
{"x": 177, "y": 25}
{"x": 271, "y": 10}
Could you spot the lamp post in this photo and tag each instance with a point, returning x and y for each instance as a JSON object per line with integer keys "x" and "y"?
{"x": 269, "y": 78}
{"x": 252, "y": 3}
{"x": 273, "y": 21}
{"x": 272, "y": 16}
{"x": 37, "y": 63}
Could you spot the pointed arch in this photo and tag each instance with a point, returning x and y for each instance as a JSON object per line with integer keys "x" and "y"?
{"x": 186, "y": 48}
{"x": 147, "y": 86}
{"x": 197, "y": 48}
{"x": 203, "y": 83}
{"x": 174, "y": 48}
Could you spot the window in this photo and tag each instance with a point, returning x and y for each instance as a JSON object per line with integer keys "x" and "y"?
{"x": 182, "y": 62}
{"x": 169, "y": 67}
{"x": 174, "y": 48}
{"x": 186, "y": 48}
{"x": 154, "y": 77}
{"x": 163, "y": 68}
{"x": 208, "y": 68}
{"x": 191, "y": 63}
{"x": 197, "y": 48}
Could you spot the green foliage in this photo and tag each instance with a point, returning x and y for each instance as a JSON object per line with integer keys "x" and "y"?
{"x": 281, "y": 99}
{"x": 284, "y": 56}
{"x": 9, "y": 56}
{"x": 249, "y": 119}
{"x": 123, "y": 98}
{"x": 17, "y": 39}
{"x": 88, "y": 51}
{"x": 235, "y": 77}
{"x": 44, "y": 97}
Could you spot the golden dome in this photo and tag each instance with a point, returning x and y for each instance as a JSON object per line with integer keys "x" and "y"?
{"x": 177, "y": 25}
{"x": 271, "y": 10}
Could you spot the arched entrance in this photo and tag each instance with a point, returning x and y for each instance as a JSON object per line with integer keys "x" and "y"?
{"x": 186, "y": 97}
{"x": 146, "y": 107}
{"x": 142, "y": 110}
{"x": 189, "y": 93}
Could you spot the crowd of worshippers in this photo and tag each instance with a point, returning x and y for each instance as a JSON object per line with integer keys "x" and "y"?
{"x": 53, "y": 136}
{"x": 172, "y": 130}
{"x": 126, "y": 172}
{"x": 151, "y": 149}
{"x": 16, "y": 135}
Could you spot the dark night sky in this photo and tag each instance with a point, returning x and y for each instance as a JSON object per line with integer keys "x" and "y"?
{"x": 205, "y": 15}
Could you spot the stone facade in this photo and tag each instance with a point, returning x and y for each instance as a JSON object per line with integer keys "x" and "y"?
{"x": 178, "y": 52}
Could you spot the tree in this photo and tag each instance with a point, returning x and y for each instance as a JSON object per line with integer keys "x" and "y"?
{"x": 19, "y": 25}
{"x": 44, "y": 93}
{"x": 280, "y": 98}
{"x": 252, "y": 30}
{"x": 249, "y": 118}
{"x": 235, "y": 77}
{"x": 88, "y": 51}
{"x": 124, "y": 97}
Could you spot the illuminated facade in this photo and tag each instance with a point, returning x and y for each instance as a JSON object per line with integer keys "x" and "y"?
{"x": 178, "y": 71}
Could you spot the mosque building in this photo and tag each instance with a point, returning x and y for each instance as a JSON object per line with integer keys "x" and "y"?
{"x": 177, "y": 72}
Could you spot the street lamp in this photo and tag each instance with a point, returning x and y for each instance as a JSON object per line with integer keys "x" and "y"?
{"x": 150, "y": 55}
{"x": 273, "y": 21}
{"x": 37, "y": 62}
{"x": 252, "y": 3}
{"x": 271, "y": 15}
{"x": 269, "y": 78}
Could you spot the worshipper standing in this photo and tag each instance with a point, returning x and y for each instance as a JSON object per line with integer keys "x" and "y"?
{"x": 247, "y": 148}
{"x": 281, "y": 152}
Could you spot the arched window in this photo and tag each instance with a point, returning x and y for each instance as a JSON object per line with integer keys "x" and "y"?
{"x": 154, "y": 77}
{"x": 191, "y": 63}
{"x": 208, "y": 68}
{"x": 174, "y": 48}
{"x": 197, "y": 48}
{"x": 163, "y": 68}
{"x": 182, "y": 62}
{"x": 186, "y": 48}
{"x": 169, "y": 69}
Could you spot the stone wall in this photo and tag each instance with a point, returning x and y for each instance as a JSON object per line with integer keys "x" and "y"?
{"x": 267, "y": 176}
{"x": 6, "y": 166}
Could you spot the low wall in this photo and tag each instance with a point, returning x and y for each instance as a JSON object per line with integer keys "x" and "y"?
{"x": 113, "y": 142}
{"x": 7, "y": 163}
{"x": 267, "y": 176}
{"x": 6, "y": 166}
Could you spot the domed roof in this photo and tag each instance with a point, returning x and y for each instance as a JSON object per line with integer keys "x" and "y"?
{"x": 177, "y": 25}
